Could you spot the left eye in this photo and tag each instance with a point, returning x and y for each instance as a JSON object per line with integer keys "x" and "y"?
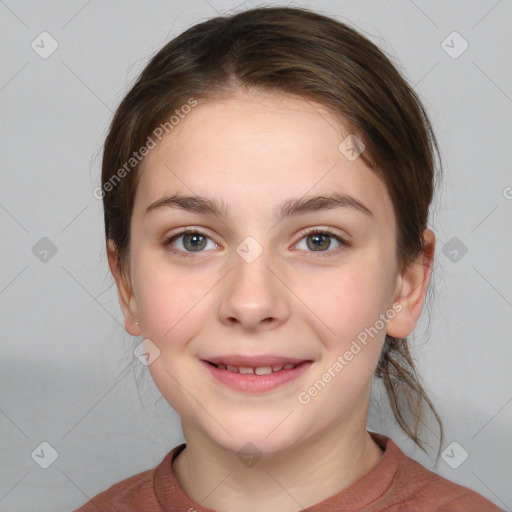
{"x": 196, "y": 241}
{"x": 320, "y": 241}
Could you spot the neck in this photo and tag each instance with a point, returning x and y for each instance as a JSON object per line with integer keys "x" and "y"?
{"x": 303, "y": 476}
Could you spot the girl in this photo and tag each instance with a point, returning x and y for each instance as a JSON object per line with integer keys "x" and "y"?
{"x": 266, "y": 187}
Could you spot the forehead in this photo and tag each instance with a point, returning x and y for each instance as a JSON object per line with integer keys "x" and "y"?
{"x": 253, "y": 151}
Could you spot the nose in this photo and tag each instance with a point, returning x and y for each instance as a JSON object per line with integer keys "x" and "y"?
{"x": 254, "y": 295}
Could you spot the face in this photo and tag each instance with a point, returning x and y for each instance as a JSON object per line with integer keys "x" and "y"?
{"x": 257, "y": 284}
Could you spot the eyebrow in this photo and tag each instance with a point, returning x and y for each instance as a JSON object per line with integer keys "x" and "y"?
{"x": 289, "y": 208}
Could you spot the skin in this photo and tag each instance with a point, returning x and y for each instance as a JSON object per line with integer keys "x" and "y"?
{"x": 253, "y": 151}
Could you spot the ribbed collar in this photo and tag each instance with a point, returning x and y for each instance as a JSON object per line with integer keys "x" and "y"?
{"x": 364, "y": 491}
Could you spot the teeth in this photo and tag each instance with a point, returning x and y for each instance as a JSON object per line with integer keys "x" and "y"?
{"x": 263, "y": 370}
{"x": 260, "y": 370}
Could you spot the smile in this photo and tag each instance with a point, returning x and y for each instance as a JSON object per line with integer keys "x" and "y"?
{"x": 255, "y": 375}
{"x": 259, "y": 370}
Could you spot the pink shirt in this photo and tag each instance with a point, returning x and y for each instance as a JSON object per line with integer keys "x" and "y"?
{"x": 396, "y": 483}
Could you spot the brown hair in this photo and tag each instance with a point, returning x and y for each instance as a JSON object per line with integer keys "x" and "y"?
{"x": 303, "y": 53}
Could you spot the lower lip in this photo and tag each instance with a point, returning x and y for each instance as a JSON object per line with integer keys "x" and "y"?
{"x": 252, "y": 383}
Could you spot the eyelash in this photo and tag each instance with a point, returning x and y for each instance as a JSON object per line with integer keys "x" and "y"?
{"x": 324, "y": 231}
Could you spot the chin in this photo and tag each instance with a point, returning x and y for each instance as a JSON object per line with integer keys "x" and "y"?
{"x": 262, "y": 439}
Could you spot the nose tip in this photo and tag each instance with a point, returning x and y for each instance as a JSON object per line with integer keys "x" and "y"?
{"x": 253, "y": 296}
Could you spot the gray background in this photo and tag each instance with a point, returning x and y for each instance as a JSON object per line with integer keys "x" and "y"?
{"x": 67, "y": 373}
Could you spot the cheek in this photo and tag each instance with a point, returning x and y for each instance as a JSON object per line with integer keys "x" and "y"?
{"x": 169, "y": 301}
{"x": 348, "y": 304}
{"x": 347, "y": 300}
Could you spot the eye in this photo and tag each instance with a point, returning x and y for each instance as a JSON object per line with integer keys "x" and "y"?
{"x": 320, "y": 240}
{"x": 192, "y": 241}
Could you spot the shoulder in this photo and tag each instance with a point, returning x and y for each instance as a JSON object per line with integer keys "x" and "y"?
{"x": 419, "y": 489}
{"x": 138, "y": 492}
{"x": 125, "y": 495}
{"x": 448, "y": 496}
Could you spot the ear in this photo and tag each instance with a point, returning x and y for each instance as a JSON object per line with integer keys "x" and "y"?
{"x": 411, "y": 288}
{"x": 125, "y": 292}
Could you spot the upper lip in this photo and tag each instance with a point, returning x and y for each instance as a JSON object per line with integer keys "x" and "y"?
{"x": 254, "y": 361}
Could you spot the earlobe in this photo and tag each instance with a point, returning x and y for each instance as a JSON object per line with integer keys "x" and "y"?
{"x": 124, "y": 291}
{"x": 411, "y": 289}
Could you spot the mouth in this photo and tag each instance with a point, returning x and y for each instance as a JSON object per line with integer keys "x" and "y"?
{"x": 258, "y": 370}
{"x": 255, "y": 374}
